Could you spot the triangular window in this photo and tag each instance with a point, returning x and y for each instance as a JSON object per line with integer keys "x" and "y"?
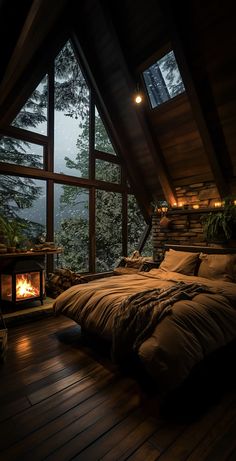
{"x": 102, "y": 141}
{"x": 33, "y": 115}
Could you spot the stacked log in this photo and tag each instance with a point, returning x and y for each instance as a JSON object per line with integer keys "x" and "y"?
{"x": 61, "y": 280}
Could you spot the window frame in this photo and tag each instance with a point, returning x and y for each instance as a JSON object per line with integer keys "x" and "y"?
{"x": 148, "y": 63}
{"x": 47, "y": 172}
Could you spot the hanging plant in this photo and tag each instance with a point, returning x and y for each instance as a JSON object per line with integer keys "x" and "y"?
{"x": 219, "y": 227}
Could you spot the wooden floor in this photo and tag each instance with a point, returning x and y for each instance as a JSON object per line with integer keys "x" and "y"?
{"x": 62, "y": 400}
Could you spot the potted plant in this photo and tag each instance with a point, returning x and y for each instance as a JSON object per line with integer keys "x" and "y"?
{"x": 219, "y": 227}
{"x": 12, "y": 232}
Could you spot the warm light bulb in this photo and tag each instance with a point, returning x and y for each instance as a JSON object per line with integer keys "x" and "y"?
{"x": 138, "y": 98}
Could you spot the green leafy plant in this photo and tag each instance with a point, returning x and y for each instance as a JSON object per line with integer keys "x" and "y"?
{"x": 12, "y": 231}
{"x": 220, "y": 226}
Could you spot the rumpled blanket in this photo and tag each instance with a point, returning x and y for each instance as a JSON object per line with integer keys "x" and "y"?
{"x": 141, "y": 312}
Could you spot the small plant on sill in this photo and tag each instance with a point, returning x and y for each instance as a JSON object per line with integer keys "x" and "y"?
{"x": 12, "y": 232}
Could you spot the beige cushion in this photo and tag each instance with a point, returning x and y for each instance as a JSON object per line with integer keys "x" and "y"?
{"x": 180, "y": 261}
{"x": 218, "y": 267}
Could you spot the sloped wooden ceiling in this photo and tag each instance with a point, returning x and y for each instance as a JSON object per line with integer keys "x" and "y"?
{"x": 184, "y": 140}
{"x": 187, "y": 140}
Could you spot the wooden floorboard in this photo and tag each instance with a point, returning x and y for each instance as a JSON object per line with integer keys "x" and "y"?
{"x": 63, "y": 399}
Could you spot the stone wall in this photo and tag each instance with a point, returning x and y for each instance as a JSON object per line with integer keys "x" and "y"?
{"x": 185, "y": 225}
{"x": 202, "y": 194}
{"x": 184, "y": 228}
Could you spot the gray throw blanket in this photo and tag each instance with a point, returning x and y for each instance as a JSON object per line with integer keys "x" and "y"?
{"x": 140, "y": 313}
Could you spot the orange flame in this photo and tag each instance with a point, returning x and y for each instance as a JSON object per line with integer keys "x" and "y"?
{"x": 24, "y": 288}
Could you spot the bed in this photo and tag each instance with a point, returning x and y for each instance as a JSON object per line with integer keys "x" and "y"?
{"x": 170, "y": 318}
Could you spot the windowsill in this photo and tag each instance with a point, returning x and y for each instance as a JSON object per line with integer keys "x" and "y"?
{"x": 96, "y": 275}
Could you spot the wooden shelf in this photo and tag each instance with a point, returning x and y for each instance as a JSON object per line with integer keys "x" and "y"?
{"x": 30, "y": 253}
{"x": 192, "y": 211}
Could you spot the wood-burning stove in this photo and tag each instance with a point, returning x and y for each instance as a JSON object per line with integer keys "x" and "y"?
{"x": 21, "y": 282}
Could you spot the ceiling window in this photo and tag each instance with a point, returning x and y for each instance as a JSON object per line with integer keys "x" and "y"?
{"x": 163, "y": 80}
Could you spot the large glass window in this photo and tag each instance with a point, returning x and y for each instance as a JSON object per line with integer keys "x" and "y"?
{"x": 20, "y": 152}
{"x": 102, "y": 141}
{"x": 106, "y": 171}
{"x": 71, "y": 132}
{"x": 136, "y": 226}
{"x": 71, "y": 224}
{"x": 108, "y": 230}
{"x": 82, "y": 149}
{"x": 163, "y": 80}
{"x": 20, "y": 201}
{"x": 33, "y": 115}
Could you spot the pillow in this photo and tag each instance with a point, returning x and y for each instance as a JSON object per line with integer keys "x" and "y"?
{"x": 218, "y": 267}
{"x": 180, "y": 261}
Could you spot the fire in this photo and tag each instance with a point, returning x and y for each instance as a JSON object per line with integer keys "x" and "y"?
{"x": 24, "y": 287}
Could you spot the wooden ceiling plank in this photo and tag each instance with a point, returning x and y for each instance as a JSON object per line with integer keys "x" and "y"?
{"x": 154, "y": 148}
{"x": 194, "y": 95}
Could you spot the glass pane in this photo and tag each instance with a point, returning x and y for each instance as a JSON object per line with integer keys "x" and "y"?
{"x": 71, "y": 223}
{"x": 106, "y": 171}
{"x": 108, "y": 230}
{"x": 102, "y": 141}
{"x": 71, "y": 136}
{"x": 33, "y": 115}
{"x": 21, "y": 152}
{"x": 148, "y": 247}
{"x": 163, "y": 80}
{"x": 136, "y": 226}
{"x": 23, "y": 203}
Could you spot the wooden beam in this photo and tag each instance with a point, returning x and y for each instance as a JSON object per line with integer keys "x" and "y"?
{"x": 25, "y": 135}
{"x": 41, "y": 17}
{"x": 154, "y": 148}
{"x": 33, "y": 73}
{"x": 92, "y": 230}
{"x": 34, "y": 173}
{"x": 119, "y": 141}
{"x": 194, "y": 95}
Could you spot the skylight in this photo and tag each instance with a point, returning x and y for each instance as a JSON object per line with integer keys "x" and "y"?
{"x": 163, "y": 80}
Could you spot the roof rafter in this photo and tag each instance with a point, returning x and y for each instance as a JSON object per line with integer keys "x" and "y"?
{"x": 40, "y": 19}
{"x": 154, "y": 148}
{"x": 195, "y": 99}
{"x": 138, "y": 189}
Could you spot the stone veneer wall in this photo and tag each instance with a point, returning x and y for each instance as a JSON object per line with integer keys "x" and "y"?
{"x": 203, "y": 194}
{"x": 185, "y": 227}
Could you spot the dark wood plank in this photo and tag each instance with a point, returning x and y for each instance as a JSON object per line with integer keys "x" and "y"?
{"x": 192, "y": 436}
{"x": 220, "y": 441}
{"x": 73, "y": 403}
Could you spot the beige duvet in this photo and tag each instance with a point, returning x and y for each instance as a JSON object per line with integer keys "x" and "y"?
{"x": 194, "y": 328}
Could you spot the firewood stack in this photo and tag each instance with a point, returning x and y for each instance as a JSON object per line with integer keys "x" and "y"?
{"x": 60, "y": 280}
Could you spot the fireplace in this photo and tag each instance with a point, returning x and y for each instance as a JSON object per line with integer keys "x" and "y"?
{"x": 21, "y": 282}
